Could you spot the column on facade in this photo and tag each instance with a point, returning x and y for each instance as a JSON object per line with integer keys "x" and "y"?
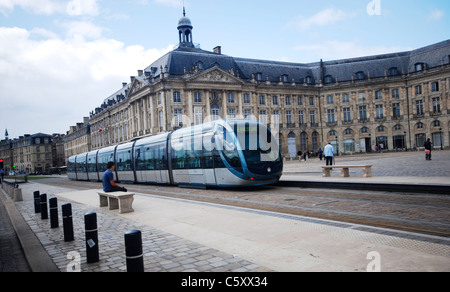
{"x": 164, "y": 109}
{"x": 241, "y": 104}
{"x": 190, "y": 109}
{"x": 224, "y": 104}
{"x": 208, "y": 105}
{"x": 144, "y": 118}
{"x": 152, "y": 114}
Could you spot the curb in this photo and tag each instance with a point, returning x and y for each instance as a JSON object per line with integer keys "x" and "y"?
{"x": 412, "y": 188}
{"x": 37, "y": 257}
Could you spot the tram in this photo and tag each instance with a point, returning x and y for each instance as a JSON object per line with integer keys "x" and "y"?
{"x": 222, "y": 153}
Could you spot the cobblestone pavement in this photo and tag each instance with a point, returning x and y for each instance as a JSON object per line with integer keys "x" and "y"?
{"x": 163, "y": 252}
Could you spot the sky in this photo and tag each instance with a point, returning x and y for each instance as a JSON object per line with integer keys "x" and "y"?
{"x": 59, "y": 59}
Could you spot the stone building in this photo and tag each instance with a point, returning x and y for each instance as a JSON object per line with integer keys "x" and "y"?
{"x": 78, "y": 139}
{"x": 391, "y": 101}
{"x": 28, "y": 153}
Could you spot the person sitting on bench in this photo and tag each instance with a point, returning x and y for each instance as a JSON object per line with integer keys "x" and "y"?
{"x": 109, "y": 185}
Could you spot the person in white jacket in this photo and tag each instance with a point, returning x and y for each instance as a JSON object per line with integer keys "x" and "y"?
{"x": 328, "y": 152}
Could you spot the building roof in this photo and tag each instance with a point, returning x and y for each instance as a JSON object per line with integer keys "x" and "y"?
{"x": 181, "y": 59}
{"x": 188, "y": 58}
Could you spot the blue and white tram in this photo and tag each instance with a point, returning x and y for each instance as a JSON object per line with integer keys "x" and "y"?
{"x": 224, "y": 153}
{"x": 92, "y": 171}
{"x": 81, "y": 166}
{"x": 71, "y": 170}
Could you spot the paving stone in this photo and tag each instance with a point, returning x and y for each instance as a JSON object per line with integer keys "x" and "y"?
{"x": 163, "y": 252}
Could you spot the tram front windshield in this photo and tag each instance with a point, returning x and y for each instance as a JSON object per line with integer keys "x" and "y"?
{"x": 258, "y": 144}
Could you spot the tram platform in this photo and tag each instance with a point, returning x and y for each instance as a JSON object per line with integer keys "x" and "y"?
{"x": 188, "y": 236}
{"x": 393, "y": 171}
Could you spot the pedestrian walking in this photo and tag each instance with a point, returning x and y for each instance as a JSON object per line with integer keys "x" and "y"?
{"x": 428, "y": 145}
{"x": 320, "y": 152}
{"x": 299, "y": 153}
{"x": 328, "y": 151}
{"x": 304, "y": 156}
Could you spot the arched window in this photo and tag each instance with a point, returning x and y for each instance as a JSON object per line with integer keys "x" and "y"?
{"x": 348, "y": 131}
{"x": 303, "y": 138}
{"x": 398, "y": 127}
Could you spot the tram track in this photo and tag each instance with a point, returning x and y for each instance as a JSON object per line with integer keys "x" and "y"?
{"x": 420, "y": 213}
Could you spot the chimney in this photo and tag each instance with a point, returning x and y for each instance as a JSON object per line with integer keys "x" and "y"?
{"x": 218, "y": 50}
{"x": 140, "y": 72}
{"x": 124, "y": 84}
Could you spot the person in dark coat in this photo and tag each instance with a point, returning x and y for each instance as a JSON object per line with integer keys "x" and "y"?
{"x": 428, "y": 146}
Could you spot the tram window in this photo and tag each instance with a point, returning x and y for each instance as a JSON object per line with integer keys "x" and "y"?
{"x": 208, "y": 151}
{"x": 150, "y": 158}
{"x": 92, "y": 167}
{"x": 140, "y": 163}
{"x": 178, "y": 154}
{"x": 124, "y": 161}
{"x": 162, "y": 159}
{"x": 193, "y": 146}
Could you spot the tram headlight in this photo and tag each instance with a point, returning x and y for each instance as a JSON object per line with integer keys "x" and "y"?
{"x": 269, "y": 169}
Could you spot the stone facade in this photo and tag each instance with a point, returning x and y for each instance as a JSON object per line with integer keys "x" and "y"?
{"x": 78, "y": 139}
{"x": 28, "y": 153}
{"x": 390, "y": 102}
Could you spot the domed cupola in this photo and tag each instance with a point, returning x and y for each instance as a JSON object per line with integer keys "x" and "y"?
{"x": 185, "y": 31}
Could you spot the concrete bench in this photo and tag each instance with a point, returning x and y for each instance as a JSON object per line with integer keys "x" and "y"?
{"x": 117, "y": 200}
{"x": 367, "y": 170}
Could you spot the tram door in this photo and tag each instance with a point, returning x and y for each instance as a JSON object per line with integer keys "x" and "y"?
{"x": 210, "y": 175}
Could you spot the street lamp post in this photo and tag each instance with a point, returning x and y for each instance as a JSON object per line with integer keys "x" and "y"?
{"x": 404, "y": 141}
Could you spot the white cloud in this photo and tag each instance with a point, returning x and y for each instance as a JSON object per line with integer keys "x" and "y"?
{"x": 82, "y": 7}
{"x": 46, "y": 7}
{"x": 49, "y": 7}
{"x": 172, "y": 3}
{"x": 82, "y": 29}
{"x": 436, "y": 15}
{"x": 335, "y": 50}
{"x": 323, "y": 18}
{"x": 49, "y": 84}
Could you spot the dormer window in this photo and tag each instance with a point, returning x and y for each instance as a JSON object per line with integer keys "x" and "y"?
{"x": 259, "y": 76}
{"x": 360, "y": 75}
{"x": 393, "y": 71}
{"x": 419, "y": 67}
{"x": 328, "y": 79}
{"x": 284, "y": 77}
{"x": 309, "y": 80}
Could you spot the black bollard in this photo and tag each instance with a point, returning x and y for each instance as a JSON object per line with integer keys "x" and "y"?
{"x": 133, "y": 251}
{"x": 37, "y": 202}
{"x": 53, "y": 205}
{"x": 67, "y": 222}
{"x": 90, "y": 224}
{"x": 44, "y": 211}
